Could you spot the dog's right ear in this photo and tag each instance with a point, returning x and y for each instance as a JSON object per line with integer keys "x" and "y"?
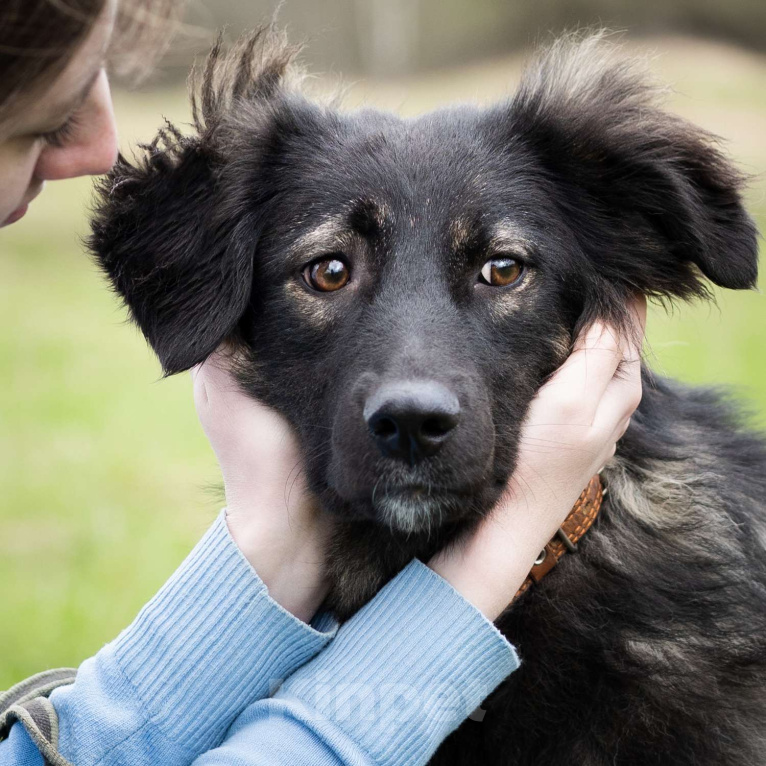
{"x": 183, "y": 275}
{"x": 173, "y": 242}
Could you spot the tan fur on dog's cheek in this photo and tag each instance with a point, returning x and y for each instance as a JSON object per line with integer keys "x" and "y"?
{"x": 316, "y": 310}
{"x": 561, "y": 343}
{"x": 506, "y": 302}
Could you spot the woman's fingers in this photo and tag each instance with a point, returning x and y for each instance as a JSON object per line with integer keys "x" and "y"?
{"x": 623, "y": 392}
{"x": 599, "y": 354}
{"x": 580, "y": 382}
{"x": 621, "y": 397}
{"x": 215, "y": 372}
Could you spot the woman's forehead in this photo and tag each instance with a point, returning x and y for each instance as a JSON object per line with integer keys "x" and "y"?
{"x": 72, "y": 85}
{"x": 81, "y": 70}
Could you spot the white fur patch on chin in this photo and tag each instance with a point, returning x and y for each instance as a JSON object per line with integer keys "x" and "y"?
{"x": 409, "y": 512}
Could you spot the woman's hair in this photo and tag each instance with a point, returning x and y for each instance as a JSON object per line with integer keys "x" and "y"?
{"x": 39, "y": 37}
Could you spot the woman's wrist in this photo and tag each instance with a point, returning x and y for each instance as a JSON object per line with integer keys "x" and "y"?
{"x": 287, "y": 556}
{"x": 489, "y": 566}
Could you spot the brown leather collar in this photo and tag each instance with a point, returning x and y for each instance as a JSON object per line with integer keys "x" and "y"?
{"x": 579, "y": 521}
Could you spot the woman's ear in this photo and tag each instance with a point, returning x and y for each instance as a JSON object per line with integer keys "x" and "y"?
{"x": 652, "y": 199}
{"x": 171, "y": 229}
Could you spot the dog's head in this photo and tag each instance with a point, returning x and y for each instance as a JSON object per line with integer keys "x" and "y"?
{"x": 399, "y": 289}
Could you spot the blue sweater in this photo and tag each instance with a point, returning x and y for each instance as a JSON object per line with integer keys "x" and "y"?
{"x": 214, "y": 672}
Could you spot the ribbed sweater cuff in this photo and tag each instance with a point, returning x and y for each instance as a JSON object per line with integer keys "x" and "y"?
{"x": 211, "y": 642}
{"x": 406, "y": 670}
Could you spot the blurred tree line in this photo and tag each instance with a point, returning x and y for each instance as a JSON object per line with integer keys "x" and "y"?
{"x": 389, "y": 37}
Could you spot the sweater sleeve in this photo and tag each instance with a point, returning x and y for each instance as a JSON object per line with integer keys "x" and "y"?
{"x": 399, "y": 677}
{"x": 209, "y": 644}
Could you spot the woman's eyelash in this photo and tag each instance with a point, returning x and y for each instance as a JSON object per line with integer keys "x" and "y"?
{"x": 61, "y": 135}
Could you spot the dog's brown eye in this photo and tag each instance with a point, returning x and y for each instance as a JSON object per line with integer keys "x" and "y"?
{"x": 501, "y": 272}
{"x": 327, "y": 275}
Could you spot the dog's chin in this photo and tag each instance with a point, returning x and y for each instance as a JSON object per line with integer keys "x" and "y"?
{"x": 415, "y": 511}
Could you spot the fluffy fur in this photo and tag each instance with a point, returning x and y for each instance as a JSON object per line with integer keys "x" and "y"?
{"x": 649, "y": 645}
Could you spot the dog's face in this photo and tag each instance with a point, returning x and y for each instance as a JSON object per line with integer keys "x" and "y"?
{"x": 413, "y": 286}
{"x": 399, "y": 289}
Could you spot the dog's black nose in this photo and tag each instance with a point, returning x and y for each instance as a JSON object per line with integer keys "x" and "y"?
{"x": 411, "y": 420}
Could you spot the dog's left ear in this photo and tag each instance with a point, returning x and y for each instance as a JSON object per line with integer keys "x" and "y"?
{"x": 651, "y": 195}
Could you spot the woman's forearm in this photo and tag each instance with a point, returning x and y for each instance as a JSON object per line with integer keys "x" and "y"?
{"x": 402, "y": 674}
{"x": 210, "y": 643}
{"x": 211, "y": 647}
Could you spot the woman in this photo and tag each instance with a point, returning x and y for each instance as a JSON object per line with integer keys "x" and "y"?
{"x": 194, "y": 679}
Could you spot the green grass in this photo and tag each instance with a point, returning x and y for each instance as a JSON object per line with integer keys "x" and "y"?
{"x": 103, "y": 468}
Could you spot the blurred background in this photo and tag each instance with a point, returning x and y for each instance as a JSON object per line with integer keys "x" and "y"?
{"x": 106, "y": 478}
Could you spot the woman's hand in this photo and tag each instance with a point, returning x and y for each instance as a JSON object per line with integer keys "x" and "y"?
{"x": 271, "y": 515}
{"x": 571, "y": 430}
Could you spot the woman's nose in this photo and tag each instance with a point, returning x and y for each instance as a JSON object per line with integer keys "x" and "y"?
{"x": 91, "y": 147}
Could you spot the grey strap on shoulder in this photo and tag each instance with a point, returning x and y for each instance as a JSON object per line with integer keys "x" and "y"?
{"x": 28, "y": 703}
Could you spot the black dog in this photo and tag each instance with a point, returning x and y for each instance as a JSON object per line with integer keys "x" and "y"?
{"x": 399, "y": 289}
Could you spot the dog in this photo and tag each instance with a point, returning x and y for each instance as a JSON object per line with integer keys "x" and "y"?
{"x": 400, "y": 289}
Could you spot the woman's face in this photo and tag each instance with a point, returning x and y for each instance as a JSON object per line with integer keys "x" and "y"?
{"x": 64, "y": 131}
